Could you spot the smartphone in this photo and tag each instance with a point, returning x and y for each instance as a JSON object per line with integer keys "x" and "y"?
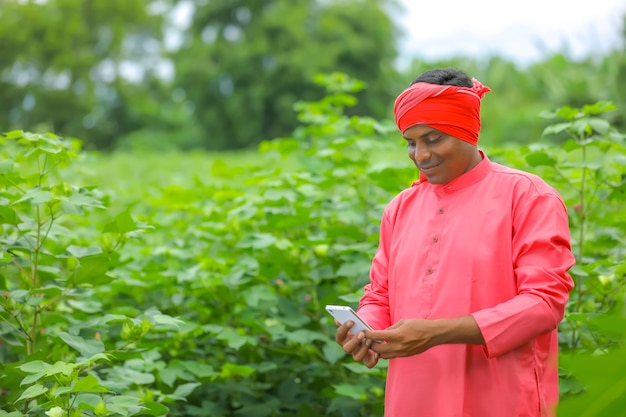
{"x": 344, "y": 313}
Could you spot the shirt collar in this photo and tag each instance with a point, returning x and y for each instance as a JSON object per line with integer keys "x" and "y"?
{"x": 466, "y": 179}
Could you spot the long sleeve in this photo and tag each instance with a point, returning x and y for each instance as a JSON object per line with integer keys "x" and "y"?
{"x": 542, "y": 256}
{"x": 374, "y": 305}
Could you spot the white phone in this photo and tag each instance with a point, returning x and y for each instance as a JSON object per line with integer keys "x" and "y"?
{"x": 344, "y": 313}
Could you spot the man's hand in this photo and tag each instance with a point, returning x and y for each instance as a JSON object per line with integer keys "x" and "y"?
{"x": 405, "y": 338}
{"x": 356, "y": 345}
{"x": 414, "y": 336}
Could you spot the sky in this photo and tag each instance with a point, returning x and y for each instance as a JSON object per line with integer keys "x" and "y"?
{"x": 521, "y": 31}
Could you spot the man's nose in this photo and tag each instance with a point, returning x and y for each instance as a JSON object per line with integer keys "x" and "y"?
{"x": 421, "y": 153}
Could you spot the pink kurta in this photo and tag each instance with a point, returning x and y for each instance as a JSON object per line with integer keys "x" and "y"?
{"x": 493, "y": 243}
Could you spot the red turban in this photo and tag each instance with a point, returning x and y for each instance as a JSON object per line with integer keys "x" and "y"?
{"x": 451, "y": 109}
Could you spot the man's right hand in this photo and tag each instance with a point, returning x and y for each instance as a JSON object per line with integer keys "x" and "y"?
{"x": 357, "y": 346}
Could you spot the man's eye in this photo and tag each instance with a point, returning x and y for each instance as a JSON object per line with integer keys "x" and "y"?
{"x": 434, "y": 140}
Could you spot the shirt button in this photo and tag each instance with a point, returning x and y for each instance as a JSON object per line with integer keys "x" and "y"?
{"x": 440, "y": 211}
{"x": 435, "y": 239}
{"x": 430, "y": 271}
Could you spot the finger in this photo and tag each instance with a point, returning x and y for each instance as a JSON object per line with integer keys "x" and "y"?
{"x": 378, "y": 334}
{"x": 359, "y": 343}
{"x": 342, "y": 332}
{"x": 361, "y": 352}
{"x": 352, "y": 344}
{"x": 371, "y": 359}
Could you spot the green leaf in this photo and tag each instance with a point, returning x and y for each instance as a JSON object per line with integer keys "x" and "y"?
{"x": 556, "y": 128}
{"x": 92, "y": 269}
{"x": 352, "y": 391}
{"x": 35, "y": 196}
{"x": 88, "y": 305}
{"x": 170, "y": 373}
{"x": 234, "y": 339}
{"x": 34, "y": 367}
{"x": 88, "y": 384}
{"x": 201, "y": 370}
{"x": 568, "y": 113}
{"x": 87, "y": 348}
{"x": 61, "y": 368}
{"x": 258, "y": 241}
{"x": 19, "y": 295}
{"x": 122, "y": 404}
{"x": 333, "y": 352}
{"x": 11, "y": 414}
{"x": 153, "y": 409}
{"x": 80, "y": 199}
{"x": 167, "y": 320}
{"x": 32, "y": 378}
{"x": 305, "y": 337}
{"x": 355, "y": 269}
{"x": 134, "y": 376}
{"x": 122, "y": 223}
{"x": 231, "y": 370}
{"x": 32, "y": 392}
{"x": 95, "y": 358}
{"x": 8, "y": 216}
{"x": 7, "y": 166}
{"x": 14, "y": 134}
{"x": 183, "y": 390}
{"x": 599, "y": 107}
{"x": 600, "y": 125}
{"x": 571, "y": 145}
{"x": 359, "y": 368}
{"x": 539, "y": 159}
{"x": 83, "y": 251}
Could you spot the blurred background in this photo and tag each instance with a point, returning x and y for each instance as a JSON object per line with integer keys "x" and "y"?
{"x": 225, "y": 74}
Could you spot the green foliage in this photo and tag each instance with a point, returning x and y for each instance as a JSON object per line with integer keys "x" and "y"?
{"x": 61, "y": 349}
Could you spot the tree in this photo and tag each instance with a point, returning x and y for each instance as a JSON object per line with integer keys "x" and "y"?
{"x": 244, "y": 64}
{"x": 64, "y": 64}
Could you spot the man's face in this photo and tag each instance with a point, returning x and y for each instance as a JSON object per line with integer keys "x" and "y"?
{"x": 439, "y": 156}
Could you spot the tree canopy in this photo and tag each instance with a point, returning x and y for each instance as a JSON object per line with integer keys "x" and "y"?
{"x": 132, "y": 73}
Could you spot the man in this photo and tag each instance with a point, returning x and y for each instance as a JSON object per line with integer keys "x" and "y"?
{"x": 470, "y": 278}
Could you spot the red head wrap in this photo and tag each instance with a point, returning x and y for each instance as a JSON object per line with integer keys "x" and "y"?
{"x": 451, "y": 109}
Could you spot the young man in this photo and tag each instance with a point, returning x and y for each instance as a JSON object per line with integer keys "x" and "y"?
{"x": 470, "y": 278}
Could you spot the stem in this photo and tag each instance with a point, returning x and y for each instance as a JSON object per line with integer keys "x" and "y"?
{"x": 17, "y": 187}
{"x": 30, "y": 345}
{"x": 20, "y": 325}
{"x": 56, "y": 298}
{"x": 583, "y": 213}
{"x": 20, "y": 267}
{"x": 563, "y": 176}
{"x": 581, "y": 236}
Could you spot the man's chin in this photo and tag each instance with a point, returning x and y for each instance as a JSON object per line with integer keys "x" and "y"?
{"x": 436, "y": 179}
